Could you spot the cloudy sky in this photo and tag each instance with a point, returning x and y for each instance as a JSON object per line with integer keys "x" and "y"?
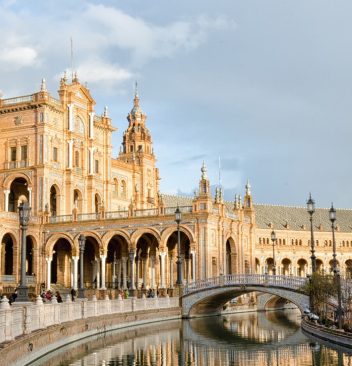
{"x": 265, "y": 85}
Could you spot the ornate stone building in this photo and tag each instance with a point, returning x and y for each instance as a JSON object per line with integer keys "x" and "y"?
{"x": 57, "y": 155}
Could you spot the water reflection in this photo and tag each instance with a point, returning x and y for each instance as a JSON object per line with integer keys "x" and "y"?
{"x": 258, "y": 339}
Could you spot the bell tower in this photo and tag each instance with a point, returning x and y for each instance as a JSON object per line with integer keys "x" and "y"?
{"x": 137, "y": 150}
{"x": 137, "y": 139}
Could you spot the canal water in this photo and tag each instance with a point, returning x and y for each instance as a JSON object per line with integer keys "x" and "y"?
{"x": 260, "y": 339}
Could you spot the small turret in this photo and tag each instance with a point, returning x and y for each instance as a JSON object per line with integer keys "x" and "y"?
{"x": 248, "y": 202}
{"x": 204, "y": 186}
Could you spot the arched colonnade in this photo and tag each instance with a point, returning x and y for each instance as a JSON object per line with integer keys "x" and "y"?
{"x": 142, "y": 259}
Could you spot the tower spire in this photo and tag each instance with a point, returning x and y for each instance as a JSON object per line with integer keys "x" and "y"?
{"x": 248, "y": 188}
{"x": 204, "y": 171}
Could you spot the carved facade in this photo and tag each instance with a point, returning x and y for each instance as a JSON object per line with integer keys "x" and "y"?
{"x": 57, "y": 155}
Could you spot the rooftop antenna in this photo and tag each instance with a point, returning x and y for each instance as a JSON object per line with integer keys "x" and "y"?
{"x": 72, "y": 76}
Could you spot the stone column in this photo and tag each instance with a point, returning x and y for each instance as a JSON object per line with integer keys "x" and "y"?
{"x": 6, "y": 198}
{"x": 48, "y": 272}
{"x": 124, "y": 273}
{"x": 91, "y": 161}
{"x": 193, "y": 264}
{"x": 91, "y": 125}
{"x": 171, "y": 272}
{"x": 75, "y": 272}
{"x": 114, "y": 272}
{"x": 118, "y": 273}
{"x": 70, "y": 117}
{"x": 152, "y": 271}
{"x": 162, "y": 269}
{"x": 132, "y": 255}
{"x": 145, "y": 268}
{"x": 98, "y": 273}
{"x": 103, "y": 268}
{"x": 70, "y": 153}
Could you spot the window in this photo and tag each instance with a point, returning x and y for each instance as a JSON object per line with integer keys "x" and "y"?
{"x": 55, "y": 154}
{"x": 96, "y": 166}
{"x": 13, "y": 153}
{"x": 76, "y": 159}
{"x": 24, "y": 153}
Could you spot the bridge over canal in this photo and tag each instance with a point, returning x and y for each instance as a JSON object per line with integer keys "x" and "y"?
{"x": 206, "y": 297}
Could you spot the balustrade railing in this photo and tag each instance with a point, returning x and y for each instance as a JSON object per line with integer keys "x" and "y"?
{"x": 15, "y": 319}
{"x": 116, "y": 214}
{"x": 60, "y": 219}
{"x": 88, "y": 216}
{"x": 289, "y": 282}
{"x": 171, "y": 210}
{"x": 146, "y": 212}
{"x": 24, "y": 99}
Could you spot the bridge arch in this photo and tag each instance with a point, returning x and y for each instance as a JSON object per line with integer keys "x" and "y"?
{"x": 208, "y": 298}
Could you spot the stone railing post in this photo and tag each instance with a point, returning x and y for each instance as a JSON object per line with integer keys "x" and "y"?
{"x": 134, "y": 304}
{"x": 27, "y": 319}
{"x": 7, "y": 323}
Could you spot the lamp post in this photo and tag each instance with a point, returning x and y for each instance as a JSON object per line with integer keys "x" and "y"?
{"x": 311, "y": 210}
{"x": 23, "y": 212}
{"x": 332, "y": 216}
{"x": 82, "y": 244}
{"x": 178, "y": 217}
{"x": 273, "y": 239}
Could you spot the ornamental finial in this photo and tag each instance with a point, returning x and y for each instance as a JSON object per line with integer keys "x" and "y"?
{"x": 204, "y": 171}
{"x": 248, "y": 188}
{"x": 43, "y": 86}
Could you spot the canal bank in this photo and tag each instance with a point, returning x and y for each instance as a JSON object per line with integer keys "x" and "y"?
{"x": 335, "y": 336}
{"x": 35, "y": 330}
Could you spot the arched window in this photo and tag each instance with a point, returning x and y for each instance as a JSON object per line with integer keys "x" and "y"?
{"x": 123, "y": 189}
{"x": 77, "y": 159}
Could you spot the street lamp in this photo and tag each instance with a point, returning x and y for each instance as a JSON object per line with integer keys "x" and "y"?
{"x": 311, "y": 210}
{"x": 332, "y": 216}
{"x": 273, "y": 239}
{"x": 82, "y": 244}
{"x": 178, "y": 218}
{"x": 23, "y": 212}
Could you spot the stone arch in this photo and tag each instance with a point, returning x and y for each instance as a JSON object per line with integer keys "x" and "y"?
{"x": 97, "y": 202}
{"x": 7, "y": 253}
{"x": 18, "y": 192}
{"x": 54, "y": 200}
{"x": 61, "y": 263}
{"x": 211, "y": 301}
{"x": 231, "y": 255}
{"x": 8, "y": 180}
{"x": 286, "y": 266}
{"x": 54, "y": 238}
{"x": 302, "y": 267}
{"x": 320, "y": 265}
{"x": 147, "y": 258}
{"x": 117, "y": 262}
{"x": 140, "y": 232}
{"x": 31, "y": 255}
{"x": 170, "y": 230}
{"x": 78, "y": 200}
{"x": 110, "y": 234}
{"x": 93, "y": 235}
{"x": 348, "y": 268}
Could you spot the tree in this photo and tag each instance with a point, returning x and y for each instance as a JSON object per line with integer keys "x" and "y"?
{"x": 320, "y": 288}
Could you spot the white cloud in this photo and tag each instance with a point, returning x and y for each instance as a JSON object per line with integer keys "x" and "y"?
{"x": 146, "y": 40}
{"x": 98, "y": 71}
{"x": 18, "y": 56}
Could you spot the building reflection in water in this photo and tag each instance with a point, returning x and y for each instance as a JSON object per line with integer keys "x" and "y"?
{"x": 234, "y": 340}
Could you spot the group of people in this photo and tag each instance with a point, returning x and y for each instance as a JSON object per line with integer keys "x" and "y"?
{"x": 48, "y": 295}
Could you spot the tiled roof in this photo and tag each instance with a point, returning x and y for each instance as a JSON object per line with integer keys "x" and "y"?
{"x": 297, "y": 218}
{"x": 172, "y": 201}
{"x": 282, "y": 217}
